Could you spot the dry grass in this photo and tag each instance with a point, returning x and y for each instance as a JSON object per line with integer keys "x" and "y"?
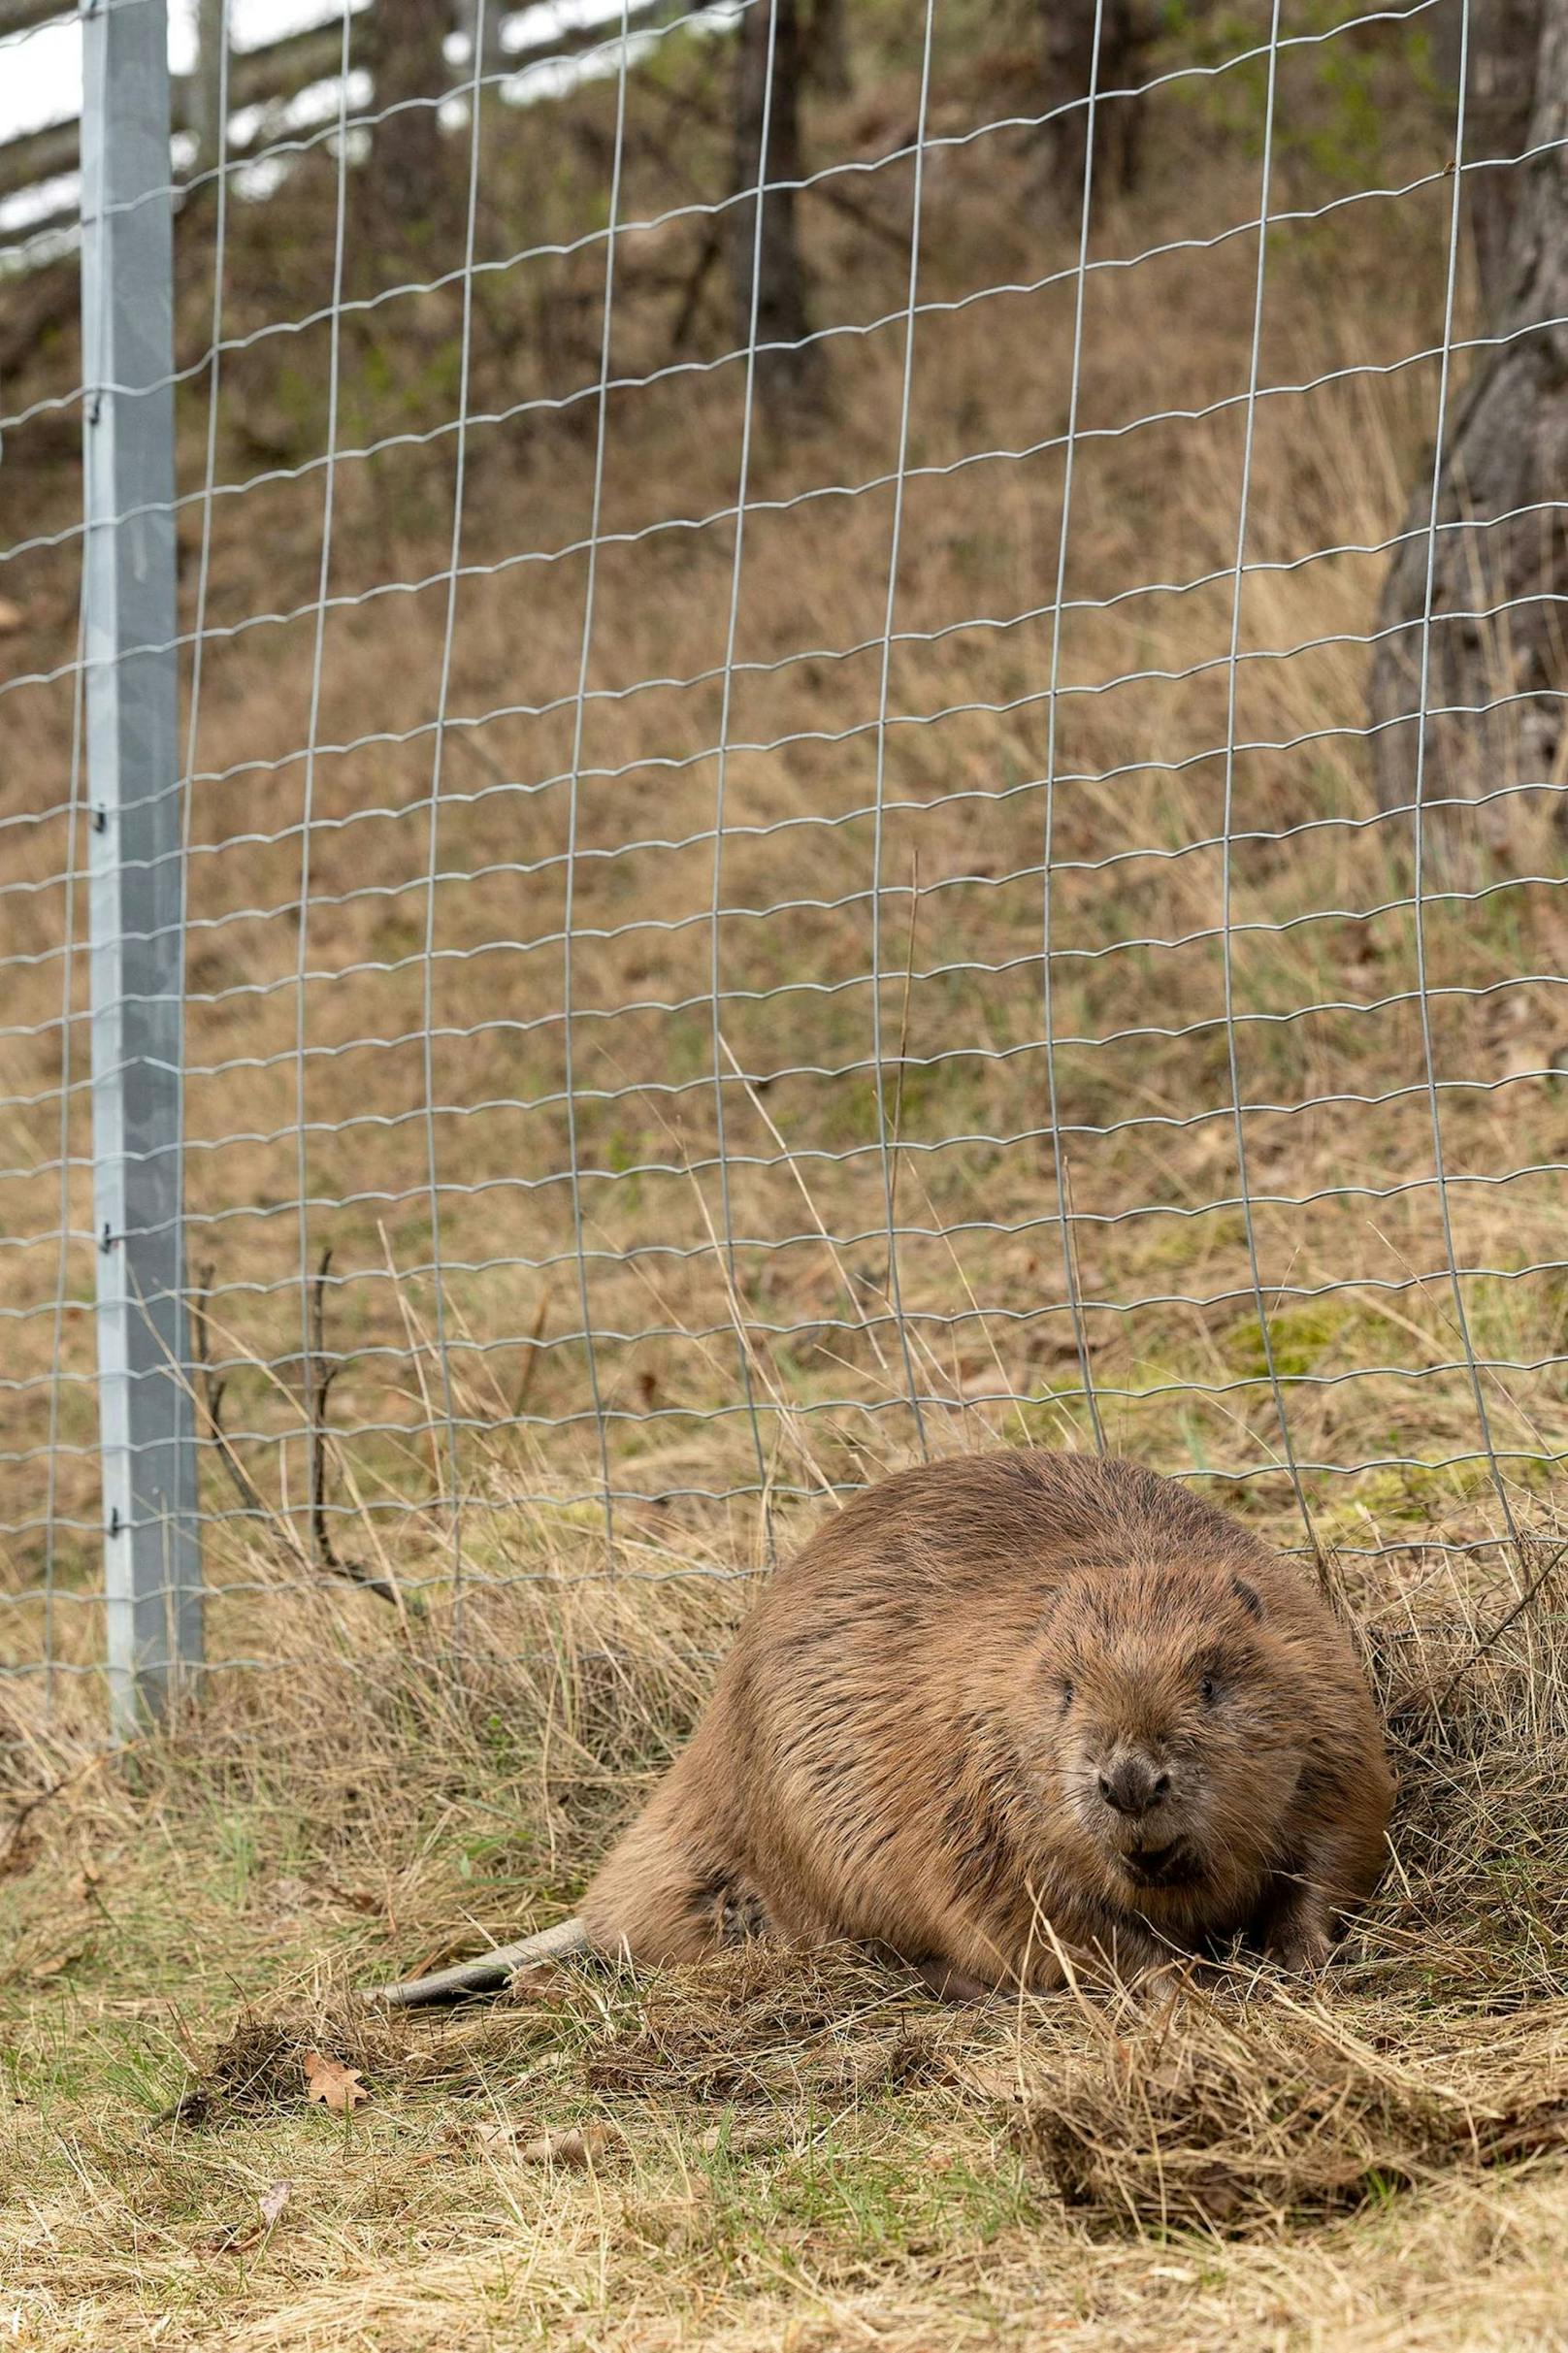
{"x": 789, "y": 2153}
{"x": 772, "y": 2150}
{"x": 1322, "y": 986}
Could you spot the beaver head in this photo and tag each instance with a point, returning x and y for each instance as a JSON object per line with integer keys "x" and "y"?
{"x": 1166, "y": 1728}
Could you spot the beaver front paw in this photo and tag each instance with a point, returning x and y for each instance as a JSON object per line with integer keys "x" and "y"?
{"x": 1300, "y": 1943}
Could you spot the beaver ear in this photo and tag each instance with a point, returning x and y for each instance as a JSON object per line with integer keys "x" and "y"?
{"x": 1250, "y": 1599}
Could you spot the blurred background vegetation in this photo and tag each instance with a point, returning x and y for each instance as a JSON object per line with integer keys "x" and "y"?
{"x": 687, "y": 1041}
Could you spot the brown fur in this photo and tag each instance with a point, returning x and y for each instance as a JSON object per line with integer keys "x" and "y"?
{"x": 905, "y": 1746}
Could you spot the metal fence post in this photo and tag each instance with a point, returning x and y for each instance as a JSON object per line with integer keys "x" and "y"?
{"x": 147, "y": 1434}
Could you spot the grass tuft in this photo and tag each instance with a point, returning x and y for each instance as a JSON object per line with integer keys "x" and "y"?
{"x": 1194, "y": 2120}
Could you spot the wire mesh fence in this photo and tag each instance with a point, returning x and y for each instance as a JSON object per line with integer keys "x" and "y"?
{"x": 785, "y": 856}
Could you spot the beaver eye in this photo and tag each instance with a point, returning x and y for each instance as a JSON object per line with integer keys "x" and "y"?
{"x": 1207, "y": 1689}
{"x": 1066, "y": 1691}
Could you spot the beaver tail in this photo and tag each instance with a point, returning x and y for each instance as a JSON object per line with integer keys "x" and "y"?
{"x": 488, "y": 1973}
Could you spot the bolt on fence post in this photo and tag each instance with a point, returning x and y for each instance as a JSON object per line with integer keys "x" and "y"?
{"x": 147, "y": 1430}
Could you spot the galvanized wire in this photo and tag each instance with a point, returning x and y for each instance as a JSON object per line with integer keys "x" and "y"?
{"x": 1161, "y": 1159}
{"x": 571, "y": 1091}
{"x": 1227, "y": 868}
{"x": 1434, "y": 1104}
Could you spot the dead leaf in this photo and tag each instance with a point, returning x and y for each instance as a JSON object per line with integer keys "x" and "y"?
{"x": 21, "y": 1852}
{"x": 993, "y": 2082}
{"x": 11, "y": 617}
{"x": 537, "y": 1982}
{"x": 272, "y": 2201}
{"x": 577, "y": 2145}
{"x": 744, "y": 2139}
{"x": 86, "y": 1884}
{"x": 334, "y": 2086}
{"x": 56, "y": 1962}
{"x": 240, "y": 2237}
{"x": 581, "y": 2146}
{"x": 358, "y": 1899}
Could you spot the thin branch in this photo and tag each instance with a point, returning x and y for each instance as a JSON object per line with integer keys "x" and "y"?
{"x": 23, "y": 1809}
{"x": 210, "y": 1391}
{"x": 319, "y": 1377}
{"x": 841, "y": 200}
{"x": 531, "y": 1362}
{"x": 707, "y": 254}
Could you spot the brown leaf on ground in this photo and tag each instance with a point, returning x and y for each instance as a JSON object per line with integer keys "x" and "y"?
{"x": 87, "y": 1881}
{"x": 539, "y": 1981}
{"x": 56, "y": 1963}
{"x": 272, "y": 2201}
{"x": 21, "y": 1852}
{"x": 494, "y": 2139}
{"x": 581, "y": 2146}
{"x": 357, "y": 1899}
{"x": 993, "y": 2081}
{"x": 240, "y": 2237}
{"x": 334, "y": 2086}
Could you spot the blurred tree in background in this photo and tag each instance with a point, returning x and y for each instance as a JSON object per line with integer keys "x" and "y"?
{"x": 1504, "y": 43}
{"x": 1068, "y": 29}
{"x": 789, "y": 373}
{"x": 405, "y": 41}
{"x": 1495, "y": 677}
{"x": 828, "y": 61}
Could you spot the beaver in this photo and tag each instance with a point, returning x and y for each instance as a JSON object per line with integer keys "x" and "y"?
{"x": 1005, "y": 1715}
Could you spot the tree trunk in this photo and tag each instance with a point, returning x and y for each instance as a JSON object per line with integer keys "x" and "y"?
{"x": 827, "y": 60}
{"x": 788, "y": 381}
{"x": 1500, "y": 578}
{"x": 1504, "y": 36}
{"x": 1067, "y": 30}
{"x": 405, "y": 61}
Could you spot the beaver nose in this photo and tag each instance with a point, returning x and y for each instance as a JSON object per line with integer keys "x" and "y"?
{"x": 1133, "y": 1785}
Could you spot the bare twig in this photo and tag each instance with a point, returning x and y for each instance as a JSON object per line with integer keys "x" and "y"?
{"x": 320, "y": 1376}
{"x": 531, "y": 1364}
{"x": 840, "y": 199}
{"x": 702, "y": 269}
{"x": 24, "y": 1809}
{"x": 210, "y": 1391}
